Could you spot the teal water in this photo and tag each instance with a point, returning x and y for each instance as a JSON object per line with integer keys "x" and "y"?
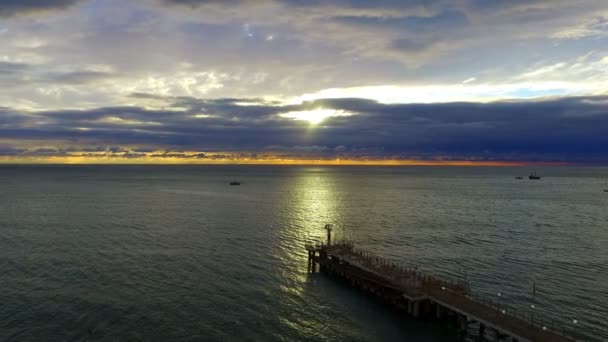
{"x": 159, "y": 253}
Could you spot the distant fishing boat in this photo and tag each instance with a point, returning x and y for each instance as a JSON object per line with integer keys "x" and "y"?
{"x": 519, "y": 177}
{"x": 533, "y": 176}
{"x": 235, "y": 183}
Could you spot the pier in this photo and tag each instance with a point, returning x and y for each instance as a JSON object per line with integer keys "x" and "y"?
{"x": 421, "y": 296}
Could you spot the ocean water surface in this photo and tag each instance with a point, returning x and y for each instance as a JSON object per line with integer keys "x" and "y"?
{"x": 159, "y": 253}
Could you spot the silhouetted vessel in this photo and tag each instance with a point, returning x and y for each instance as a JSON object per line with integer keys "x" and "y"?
{"x": 519, "y": 177}
{"x": 533, "y": 176}
{"x": 235, "y": 183}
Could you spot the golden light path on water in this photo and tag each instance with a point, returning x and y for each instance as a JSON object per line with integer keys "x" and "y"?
{"x": 311, "y": 202}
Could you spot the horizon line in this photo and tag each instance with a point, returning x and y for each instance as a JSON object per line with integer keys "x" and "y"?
{"x": 287, "y": 162}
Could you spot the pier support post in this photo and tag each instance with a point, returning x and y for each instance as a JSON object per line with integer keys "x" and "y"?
{"x": 462, "y": 322}
{"x": 416, "y": 309}
{"x": 482, "y": 331}
{"x": 312, "y": 261}
{"x": 309, "y": 260}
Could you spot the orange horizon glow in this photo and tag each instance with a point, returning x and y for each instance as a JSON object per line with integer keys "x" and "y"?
{"x": 117, "y": 160}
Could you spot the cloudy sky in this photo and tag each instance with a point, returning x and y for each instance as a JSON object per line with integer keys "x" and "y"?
{"x": 304, "y": 81}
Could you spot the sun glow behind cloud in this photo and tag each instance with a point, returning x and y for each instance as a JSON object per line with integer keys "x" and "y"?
{"x": 315, "y": 116}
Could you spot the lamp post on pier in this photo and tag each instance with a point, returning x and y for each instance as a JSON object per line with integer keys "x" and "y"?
{"x": 329, "y": 228}
{"x": 574, "y": 322}
{"x": 498, "y": 302}
{"x": 532, "y": 312}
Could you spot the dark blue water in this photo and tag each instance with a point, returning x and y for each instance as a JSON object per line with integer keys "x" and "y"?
{"x": 158, "y": 253}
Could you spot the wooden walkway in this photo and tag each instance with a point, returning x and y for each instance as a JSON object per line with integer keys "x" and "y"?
{"x": 417, "y": 290}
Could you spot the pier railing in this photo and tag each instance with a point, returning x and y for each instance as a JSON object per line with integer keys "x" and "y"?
{"x": 534, "y": 319}
{"x": 411, "y": 278}
{"x": 395, "y": 270}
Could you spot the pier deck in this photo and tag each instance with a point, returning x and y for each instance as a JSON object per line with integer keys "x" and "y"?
{"x": 423, "y": 296}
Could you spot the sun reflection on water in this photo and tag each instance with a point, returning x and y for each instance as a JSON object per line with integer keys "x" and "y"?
{"x": 310, "y": 201}
{"x": 314, "y": 202}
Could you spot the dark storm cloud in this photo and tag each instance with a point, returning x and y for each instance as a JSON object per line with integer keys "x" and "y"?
{"x": 7, "y": 68}
{"x": 12, "y": 74}
{"x": 10, "y": 151}
{"x": 12, "y": 118}
{"x": 413, "y": 33}
{"x": 13, "y": 7}
{"x": 496, "y": 5}
{"x": 474, "y": 5}
{"x": 77, "y": 77}
{"x": 565, "y": 129}
{"x": 411, "y": 44}
{"x": 444, "y": 19}
{"x": 195, "y": 3}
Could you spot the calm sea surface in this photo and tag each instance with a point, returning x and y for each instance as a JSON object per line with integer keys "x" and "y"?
{"x": 159, "y": 253}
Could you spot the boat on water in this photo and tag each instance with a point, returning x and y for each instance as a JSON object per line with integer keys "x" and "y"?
{"x": 533, "y": 176}
{"x": 235, "y": 183}
{"x": 519, "y": 177}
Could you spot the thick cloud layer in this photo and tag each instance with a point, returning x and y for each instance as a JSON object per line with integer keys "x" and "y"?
{"x": 272, "y": 48}
{"x": 564, "y": 129}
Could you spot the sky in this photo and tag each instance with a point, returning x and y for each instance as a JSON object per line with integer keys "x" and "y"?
{"x": 455, "y": 82}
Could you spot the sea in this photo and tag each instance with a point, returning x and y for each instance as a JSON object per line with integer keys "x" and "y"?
{"x": 174, "y": 253}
